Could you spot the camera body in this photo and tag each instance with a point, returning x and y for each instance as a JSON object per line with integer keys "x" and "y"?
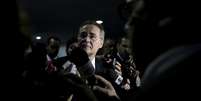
{"x": 127, "y": 66}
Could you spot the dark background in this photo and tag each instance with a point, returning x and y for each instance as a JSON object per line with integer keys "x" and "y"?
{"x": 63, "y": 17}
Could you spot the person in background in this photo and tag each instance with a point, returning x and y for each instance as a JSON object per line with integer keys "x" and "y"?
{"x": 123, "y": 65}
{"x": 70, "y": 45}
{"x": 170, "y": 57}
{"x": 53, "y": 45}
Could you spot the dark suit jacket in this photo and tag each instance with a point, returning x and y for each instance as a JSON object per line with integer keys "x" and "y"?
{"x": 100, "y": 69}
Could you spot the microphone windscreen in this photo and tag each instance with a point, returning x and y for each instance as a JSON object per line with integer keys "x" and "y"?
{"x": 79, "y": 57}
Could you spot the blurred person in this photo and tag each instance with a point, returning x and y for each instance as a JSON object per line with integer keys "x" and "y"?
{"x": 170, "y": 57}
{"x": 124, "y": 53}
{"x": 19, "y": 40}
{"x": 122, "y": 63}
{"x": 64, "y": 63}
{"x": 71, "y": 44}
{"x": 53, "y": 45}
{"x": 154, "y": 31}
{"x": 108, "y": 45}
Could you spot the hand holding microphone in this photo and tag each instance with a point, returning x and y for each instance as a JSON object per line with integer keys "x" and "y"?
{"x": 80, "y": 58}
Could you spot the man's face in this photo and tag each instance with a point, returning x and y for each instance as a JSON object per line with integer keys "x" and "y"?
{"x": 89, "y": 39}
{"x": 53, "y": 48}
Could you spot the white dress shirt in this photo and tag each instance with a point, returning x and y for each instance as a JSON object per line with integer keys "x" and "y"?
{"x": 93, "y": 63}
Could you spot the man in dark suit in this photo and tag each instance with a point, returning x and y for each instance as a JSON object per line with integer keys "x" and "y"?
{"x": 91, "y": 39}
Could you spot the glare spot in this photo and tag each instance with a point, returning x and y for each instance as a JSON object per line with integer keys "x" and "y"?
{"x": 38, "y": 37}
{"x": 99, "y": 21}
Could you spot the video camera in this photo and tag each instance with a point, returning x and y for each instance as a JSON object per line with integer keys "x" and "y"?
{"x": 128, "y": 66}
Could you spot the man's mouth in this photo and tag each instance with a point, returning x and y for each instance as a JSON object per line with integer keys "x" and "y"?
{"x": 86, "y": 45}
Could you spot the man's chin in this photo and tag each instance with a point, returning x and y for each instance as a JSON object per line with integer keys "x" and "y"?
{"x": 88, "y": 51}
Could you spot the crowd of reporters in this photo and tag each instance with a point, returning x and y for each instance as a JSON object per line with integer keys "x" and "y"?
{"x": 77, "y": 77}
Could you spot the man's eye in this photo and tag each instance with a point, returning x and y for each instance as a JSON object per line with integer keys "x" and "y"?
{"x": 92, "y": 36}
{"x": 83, "y": 34}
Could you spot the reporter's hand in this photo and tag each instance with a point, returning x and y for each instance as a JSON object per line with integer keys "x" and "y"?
{"x": 108, "y": 89}
{"x": 79, "y": 88}
{"x": 117, "y": 65}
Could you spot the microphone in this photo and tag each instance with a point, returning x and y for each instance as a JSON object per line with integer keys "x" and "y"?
{"x": 115, "y": 76}
{"x": 80, "y": 58}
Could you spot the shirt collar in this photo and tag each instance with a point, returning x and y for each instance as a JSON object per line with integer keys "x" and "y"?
{"x": 48, "y": 58}
{"x": 93, "y": 63}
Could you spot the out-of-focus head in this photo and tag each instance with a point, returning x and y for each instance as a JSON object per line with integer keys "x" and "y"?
{"x": 163, "y": 21}
{"x": 123, "y": 45}
{"x": 91, "y": 37}
{"x": 71, "y": 44}
{"x": 154, "y": 26}
{"x": 53, "y": 45}
{"x": 108, "y": 46}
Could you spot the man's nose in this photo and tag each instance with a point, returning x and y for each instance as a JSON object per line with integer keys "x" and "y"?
{"x": 87, "y": 38}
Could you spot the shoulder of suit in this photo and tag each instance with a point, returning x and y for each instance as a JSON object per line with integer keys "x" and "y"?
{"x": 100, "y": 67}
